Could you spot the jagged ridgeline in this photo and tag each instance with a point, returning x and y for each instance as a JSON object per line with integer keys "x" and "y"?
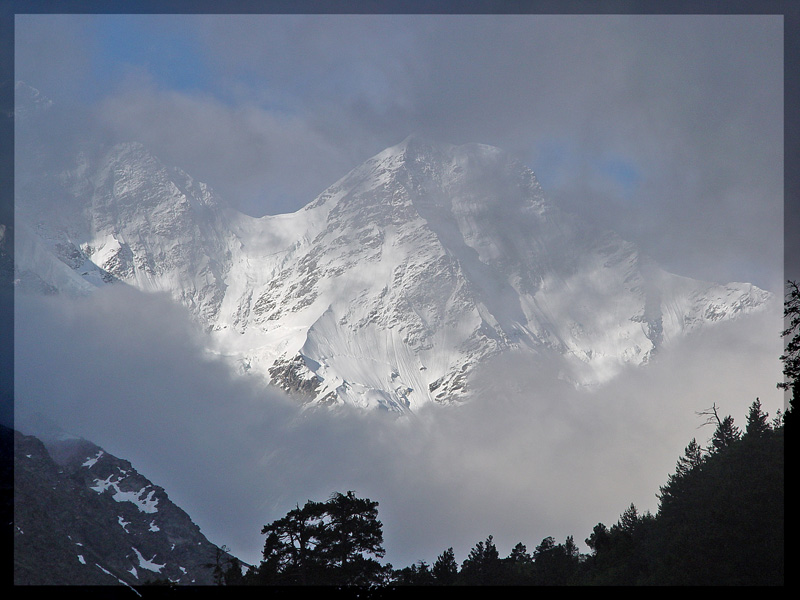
{"x": 85, "y": 517}
{"x": 387, "y": 290}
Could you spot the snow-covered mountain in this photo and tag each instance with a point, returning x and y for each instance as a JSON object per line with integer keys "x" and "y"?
{"x": 387, "y": 290}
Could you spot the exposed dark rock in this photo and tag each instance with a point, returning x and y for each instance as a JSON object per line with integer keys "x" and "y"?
{"x": 85, "y": 517}
{"x": 293, "y": 376}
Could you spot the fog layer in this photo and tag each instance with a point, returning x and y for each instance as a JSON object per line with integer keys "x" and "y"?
{"x": 532, "y": 457}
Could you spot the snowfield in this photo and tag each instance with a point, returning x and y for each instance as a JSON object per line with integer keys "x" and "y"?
{"x": 388, "y": 289}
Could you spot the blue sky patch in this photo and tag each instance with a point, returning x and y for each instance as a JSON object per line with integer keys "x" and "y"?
{"x": 173, "y": 58}
{"x": 621, "y": 171}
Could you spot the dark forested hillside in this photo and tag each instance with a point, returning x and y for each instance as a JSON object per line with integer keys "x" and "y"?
{"x": 720, "y": 522}
{"x": 720, "y": 519}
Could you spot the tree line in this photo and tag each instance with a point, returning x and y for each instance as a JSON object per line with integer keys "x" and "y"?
{"x": 720, "y": 521}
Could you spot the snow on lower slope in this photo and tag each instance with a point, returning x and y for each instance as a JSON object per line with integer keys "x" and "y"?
{"x": 391, "y": 286}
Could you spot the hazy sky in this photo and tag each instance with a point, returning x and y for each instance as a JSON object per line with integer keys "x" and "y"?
{"x": 669, "y": 129}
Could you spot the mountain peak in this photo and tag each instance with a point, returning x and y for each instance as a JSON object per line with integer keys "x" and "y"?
{"x": 420, "y": 147}
{"x": 414, "y": 141}
{"x": 400, "y": 279}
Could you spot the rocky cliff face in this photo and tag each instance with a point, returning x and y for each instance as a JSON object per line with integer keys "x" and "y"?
{"x": 387, "y": 290}
{"x": 428, "y": 259}
{"x": 85, "y": 517}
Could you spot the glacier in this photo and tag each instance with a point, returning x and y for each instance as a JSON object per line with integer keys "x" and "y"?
{"x": 385, "y": 291}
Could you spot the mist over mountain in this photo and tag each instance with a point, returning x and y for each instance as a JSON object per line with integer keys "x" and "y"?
{"x": 387, "y": 290}
{"x": 431, "y": 275}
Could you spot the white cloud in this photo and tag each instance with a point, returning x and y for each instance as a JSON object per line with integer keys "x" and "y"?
{"x": 244, "y": 151}
{"x": 693, "y": 103}
{"x": 532, "y": 458}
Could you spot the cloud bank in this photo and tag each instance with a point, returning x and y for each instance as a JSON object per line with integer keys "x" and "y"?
{"x": 666, "y": 128}
{"x": 533, "y": 457}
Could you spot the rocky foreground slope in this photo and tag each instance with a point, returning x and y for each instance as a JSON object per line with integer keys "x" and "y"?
{"x": 85, "y": 517}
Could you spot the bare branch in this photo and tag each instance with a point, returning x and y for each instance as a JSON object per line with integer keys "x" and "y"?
{"x": 712, "y": 417}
